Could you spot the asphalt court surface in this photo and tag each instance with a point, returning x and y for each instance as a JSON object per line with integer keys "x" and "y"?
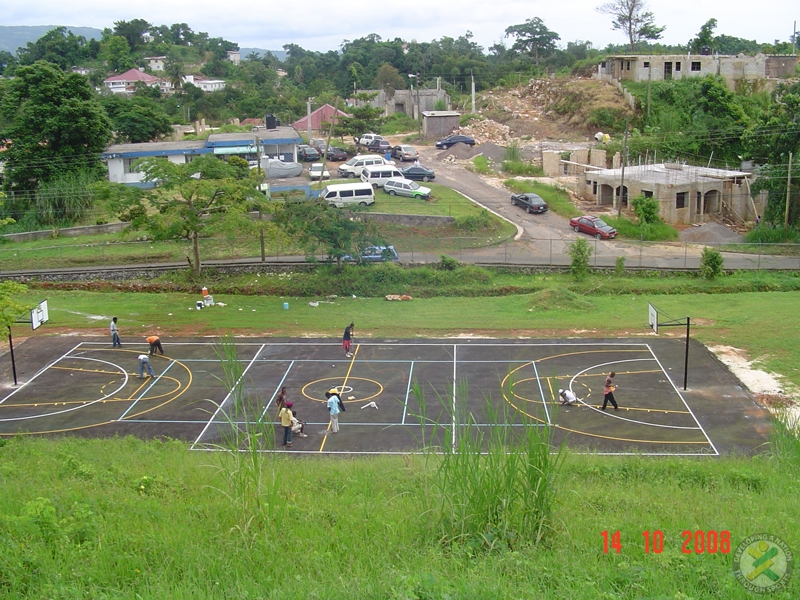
{"x": 397, "y": 393}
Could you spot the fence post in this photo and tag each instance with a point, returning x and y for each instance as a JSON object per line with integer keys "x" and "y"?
{"x": 641, "y": 245}
{"x": 412, "y": 246}
{"x": 505, "y": 253}
{"x": 146, "y": 260}
{"x": 685, "y": 251}
{"x": 758, "y": 266}
{"x": 551, "y": 253}
{"x": 595, "y": 252}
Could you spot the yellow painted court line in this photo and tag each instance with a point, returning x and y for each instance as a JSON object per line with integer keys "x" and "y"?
{"x": 344, "y": 383}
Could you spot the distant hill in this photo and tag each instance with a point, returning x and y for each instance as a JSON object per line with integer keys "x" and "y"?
{"x": 17, "y": 36}
{"x": 279, "y": 54}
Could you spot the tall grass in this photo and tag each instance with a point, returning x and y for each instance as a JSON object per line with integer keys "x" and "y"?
{"x": 651, "y": 232}
{"x": 557, "y": 199}
{"x": 495, "y": 484}
{"x": 246, "y": 463}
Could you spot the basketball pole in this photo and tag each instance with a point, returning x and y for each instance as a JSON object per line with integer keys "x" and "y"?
{"x": 686, "y": 354}
{"x": 11, "y": 348}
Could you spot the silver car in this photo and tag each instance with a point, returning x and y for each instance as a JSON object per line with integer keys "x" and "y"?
{"x": 398, "y": 186}
{"x": 405, "y": 153}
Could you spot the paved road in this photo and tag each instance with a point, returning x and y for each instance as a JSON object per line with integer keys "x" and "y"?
{"x": 544, "y": 238}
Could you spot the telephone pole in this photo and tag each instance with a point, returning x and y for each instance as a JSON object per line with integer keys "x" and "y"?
{"x": 622, "y": 179}
{"x": 788, "y": 192}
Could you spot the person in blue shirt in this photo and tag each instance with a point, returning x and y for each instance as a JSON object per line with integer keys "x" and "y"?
{"x": 333, "y": 409}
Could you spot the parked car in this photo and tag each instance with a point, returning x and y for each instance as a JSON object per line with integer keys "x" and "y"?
{"x": 418, "y": 173}
{"x": 397, "y": 186}
{"x": 336, "y": 154}
{"x": 316, "y": 171}
{"x": 405, "y": 153}
{"x": 379, "y": 147}
{"x": 307, "y": 153}
{"x": 367, "y": 138}
{"x": 375, "y": 254}
{"x": 352, "y": 168}
{"x": 532, "y": 203}
{"x": 593, "y": 226}
{"x": 318, "y": 144}
{"x": 454, "y": 139}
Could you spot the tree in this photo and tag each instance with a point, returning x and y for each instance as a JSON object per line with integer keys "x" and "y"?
{"x": 711, "y": 262}
{"x": 389, "y": 79}
{"x": 646, "y": 209}
{"x": 533, "y": 37}
{"x": 317, "y": 224}
{"x": 194, "y": 200}
{"x": 52, "y": 123}
{"x": 7, "y": 63}
{"x": 137, "y": 123}
{"x": 632, "y": 18}
{"x": 116, "y": 52}
{"x": 705, "y": 38}
{"x": 173, "y": 69}
{"x": 362, "y": 119}
{"x": 57, "y": 46}
{"x": 10, "y": 308}
{"x": 133, "y": 31}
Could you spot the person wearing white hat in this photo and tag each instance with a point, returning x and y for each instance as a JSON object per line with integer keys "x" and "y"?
{"x": 567, "y": 397}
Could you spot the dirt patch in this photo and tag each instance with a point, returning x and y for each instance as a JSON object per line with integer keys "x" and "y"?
{"x": 710, "y": 233}
{"x": 459, "y": 152}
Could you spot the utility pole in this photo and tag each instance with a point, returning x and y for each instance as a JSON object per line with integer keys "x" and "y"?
{"x": 622, "y": 179}
{"x": 308, "y": 118}
{"x": 788, "y": 191}
{"x": 473, "y": 92}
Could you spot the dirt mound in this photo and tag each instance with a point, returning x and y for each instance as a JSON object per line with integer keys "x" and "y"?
{"x": 459, "y": 152}
{"x": 492, "y": 151}
{"x": 710, "y": 233}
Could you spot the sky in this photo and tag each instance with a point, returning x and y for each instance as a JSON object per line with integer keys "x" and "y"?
{"x": 322, "y": 26}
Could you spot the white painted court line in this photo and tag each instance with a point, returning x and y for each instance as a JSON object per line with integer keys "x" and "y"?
{"x": 408, "y": 391}
{"x": 149, "y": 387}
{"x": 275, "y": 393}
{"x": 541, "y": 391}
{"x": 228, "y": 395}
{"x": 677, "y": 391}
{"x": 40, "y": 371}
{"x": 621, "y": 418}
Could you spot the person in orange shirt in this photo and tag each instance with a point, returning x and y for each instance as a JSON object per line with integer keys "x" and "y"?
{"x": 155, "y": 343}
{"x": 608, "y": 392}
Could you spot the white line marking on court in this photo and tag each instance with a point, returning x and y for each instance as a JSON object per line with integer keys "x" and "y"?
{"x": 40, "y": 371}
{"x": 408, "y": 390}
{"x": 626, "y": 419}
{"x": 541, "y": 391}
{"x": 80, "y": 406}
{"x": 275, "y": 393}
{"x": 677, "y": 391}
{"x": 228, "y": 395}
{"x": 453, "y": 418}
{"x": 149, "y": 387}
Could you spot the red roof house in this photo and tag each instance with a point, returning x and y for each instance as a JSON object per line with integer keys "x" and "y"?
{"x": 123, "y": 84}
{"x": 324, "y": 114}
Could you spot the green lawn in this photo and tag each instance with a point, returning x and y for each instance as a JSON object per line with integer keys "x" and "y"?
{"x": 557, "y": 199}
{"x": 444, "y": 202}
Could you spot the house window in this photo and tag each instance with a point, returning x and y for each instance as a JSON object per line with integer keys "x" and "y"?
{"x": 647, "y": 64}
{"x": 677, "y": 66}
{"x": 647, "y": 193}
{"x": 128, "y": 165}
{"x": 696, "y": 66}
{"x": 680, "y": 200}
{"x": 627, "y": 65}
{"x": 594, "y": 188}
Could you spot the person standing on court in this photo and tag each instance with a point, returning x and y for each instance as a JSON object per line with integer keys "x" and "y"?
{"x": 286, "y": 422}
{"x": 608, "y": 391}
{"x": 333, "y": 409}
{"x": 155, "y": 343}
{"x": 144, "y": 361}
{"x": 115, "y": 334}
{"x": 346, "y": 338}
{"x": 281, "y": 401}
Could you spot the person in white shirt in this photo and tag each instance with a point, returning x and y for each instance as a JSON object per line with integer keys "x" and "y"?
{"x": 567, "y": 397}
{"x": 115, "y": 334}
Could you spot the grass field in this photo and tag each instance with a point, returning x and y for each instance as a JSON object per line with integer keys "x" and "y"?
{"x": 126, "y": 518}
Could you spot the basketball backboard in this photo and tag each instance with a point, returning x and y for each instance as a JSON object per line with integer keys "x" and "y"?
{"x": 39, "y": 315}
{"x": 652, "y": 317}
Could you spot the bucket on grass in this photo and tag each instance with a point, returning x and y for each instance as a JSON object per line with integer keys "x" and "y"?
{"x": 205, "y": 291}
{"x": 285, "y": 306}
{"x": 199, "y": 305}
{"x": 208, "y": 300}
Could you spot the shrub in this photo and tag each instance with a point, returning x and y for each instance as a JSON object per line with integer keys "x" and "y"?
{"x": 710, "y": 263}
{"x": 619, "y": 266}
{"x": 481, "y": 164}
{"x": 580, "y": 252}
{"x": 482, "y": 220}
{"x": 513, "y": 152}
{"x": 646, "y": 209}
{"x": 521, "y": 169}
{"x": 447, "y": 263}
{"x": 767, "y": 233}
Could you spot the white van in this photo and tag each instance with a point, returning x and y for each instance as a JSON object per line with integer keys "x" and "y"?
{"x": 369, "y": 137}
{"x": 352, "y": 168}
{"x": 377, "y": 175}
{"x": 348, "y": 194}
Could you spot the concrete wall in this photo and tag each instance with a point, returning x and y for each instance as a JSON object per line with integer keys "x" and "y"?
{"x": 408, "y": 102}
{"x": 551, "y": 163}
{"x": 439, "y": 127}
{"x": 66, "y": 232}
{"x": 597, "y": 158}
{"x": 409, "y": 220}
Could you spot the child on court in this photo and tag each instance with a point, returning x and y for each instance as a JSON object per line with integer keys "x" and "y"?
{"x": 567, "y": 397}
{"x": 298, "y": 425}
{"x": 608, "y": 392}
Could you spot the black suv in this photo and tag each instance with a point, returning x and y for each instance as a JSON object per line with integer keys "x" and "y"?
{"x": 379, "y": 147}
{"x": 532, "y": 203}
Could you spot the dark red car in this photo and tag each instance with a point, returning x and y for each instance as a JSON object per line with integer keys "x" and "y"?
{"x": 593, "y": 226}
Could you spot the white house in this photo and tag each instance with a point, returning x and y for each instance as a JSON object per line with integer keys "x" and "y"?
{"x": 155, "y": 63}
{"x": 207, "y": 85}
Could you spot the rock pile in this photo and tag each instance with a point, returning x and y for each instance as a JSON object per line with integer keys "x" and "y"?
{"x": 488, "y": 131}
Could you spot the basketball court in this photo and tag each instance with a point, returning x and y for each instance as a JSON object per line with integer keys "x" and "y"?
{"x": 397, "y": 393}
